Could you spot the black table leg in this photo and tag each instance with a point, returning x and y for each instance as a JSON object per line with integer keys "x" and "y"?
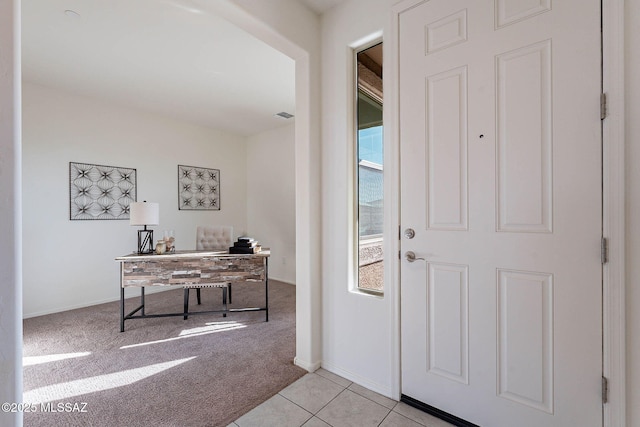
{"x": 142, "y": 298}
{"x": 224, "y": 301}
{"x": 186, "y": 303}
{"x": 121, "y": 309}
{"x": 266, "y": 287}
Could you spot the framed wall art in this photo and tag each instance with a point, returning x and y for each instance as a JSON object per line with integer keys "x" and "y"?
{"x": 100, "y": 192}
{"x": 198, "y": 188}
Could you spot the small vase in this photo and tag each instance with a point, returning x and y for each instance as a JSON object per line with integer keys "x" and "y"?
{"x": 160, "y": 247}
{"x": 169, "y": 240}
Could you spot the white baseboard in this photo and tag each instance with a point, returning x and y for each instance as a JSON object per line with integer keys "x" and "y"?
{"x": 311, "y": 367}
{"x": 91, "y": 303}
{"x": 288, "y": 282}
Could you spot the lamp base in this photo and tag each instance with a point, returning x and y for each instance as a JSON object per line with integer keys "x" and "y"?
{"x": 145, "y": 241}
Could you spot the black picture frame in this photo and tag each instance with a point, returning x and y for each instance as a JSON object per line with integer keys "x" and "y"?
{"x": 100, "y": 192}
{"x": 198, "y": 188}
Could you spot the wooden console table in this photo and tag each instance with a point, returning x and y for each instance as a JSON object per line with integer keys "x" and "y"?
{"x": 188, "y": 269}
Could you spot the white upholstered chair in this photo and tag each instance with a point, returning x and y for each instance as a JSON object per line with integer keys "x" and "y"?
{"x": 211, "y": 238}
{"x": 214, "y": 237}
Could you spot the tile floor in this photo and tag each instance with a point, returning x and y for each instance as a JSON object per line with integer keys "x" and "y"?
{"x": 323, "y": 399}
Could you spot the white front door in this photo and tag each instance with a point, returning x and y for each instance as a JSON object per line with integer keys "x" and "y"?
{"x": 501, "y": 181}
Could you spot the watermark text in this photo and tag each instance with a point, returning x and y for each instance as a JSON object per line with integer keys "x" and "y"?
{"x": 80, "y": 407}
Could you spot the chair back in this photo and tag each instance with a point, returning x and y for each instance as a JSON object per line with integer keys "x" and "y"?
{"x": 214, "y": 237}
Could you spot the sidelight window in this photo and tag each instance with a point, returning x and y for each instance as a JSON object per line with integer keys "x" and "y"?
{"x": 369, "y": 169}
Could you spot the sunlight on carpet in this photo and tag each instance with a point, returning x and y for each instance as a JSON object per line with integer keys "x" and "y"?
{"x": 98, "y": 383}
{"x": 37, "y": 360}
{"x": 195, "y": 332}
{"x": 213, "y": 327}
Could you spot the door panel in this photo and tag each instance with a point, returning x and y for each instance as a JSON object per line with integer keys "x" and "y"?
{"x": 525, "y": 338}
{"x": 447, "y": 193}
{"x": 524, "y": 139}
{"x": 500, "y": 178}
{"x": 448, "y": 323}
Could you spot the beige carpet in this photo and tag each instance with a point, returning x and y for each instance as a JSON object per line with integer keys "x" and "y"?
{"x": 204, "y": 371}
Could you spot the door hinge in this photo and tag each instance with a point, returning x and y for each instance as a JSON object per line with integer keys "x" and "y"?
{"x": 399, "y": 232}
{"x": 603, "y": 106}
{"x": 399, "y": 256}
{"x": 605, "y": 390}
{"x": 604, "y": 250}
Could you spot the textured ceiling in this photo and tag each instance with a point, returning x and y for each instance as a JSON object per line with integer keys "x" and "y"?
{"x": 165, "y": 56}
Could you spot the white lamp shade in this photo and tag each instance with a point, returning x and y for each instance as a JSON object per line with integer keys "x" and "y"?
{"x": 144, "y": 213}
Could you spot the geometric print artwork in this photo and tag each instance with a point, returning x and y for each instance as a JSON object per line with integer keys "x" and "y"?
{"x": 100, "y": 192}
{"x": 198, "y": 188}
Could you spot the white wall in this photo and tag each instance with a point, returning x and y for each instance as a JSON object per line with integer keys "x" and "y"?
{"x": 287, "y": 25}
{"x": 10, "y": 217}
{"x": 69, "y": 264}
{"x": 271, "y": 210}
{"x": 359, "y": 336}
{"x": 632, "y": 151}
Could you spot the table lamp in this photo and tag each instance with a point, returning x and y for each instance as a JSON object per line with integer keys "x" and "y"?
{"x": 143, "y": 213}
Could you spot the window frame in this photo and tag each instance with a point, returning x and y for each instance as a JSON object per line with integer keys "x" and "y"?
{"x": 354, "y": 168}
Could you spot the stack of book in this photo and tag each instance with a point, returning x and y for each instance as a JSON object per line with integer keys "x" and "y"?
{"x": 245, "y": 245}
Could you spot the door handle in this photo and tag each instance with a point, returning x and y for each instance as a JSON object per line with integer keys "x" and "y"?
{"x": 410, "y": 256}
